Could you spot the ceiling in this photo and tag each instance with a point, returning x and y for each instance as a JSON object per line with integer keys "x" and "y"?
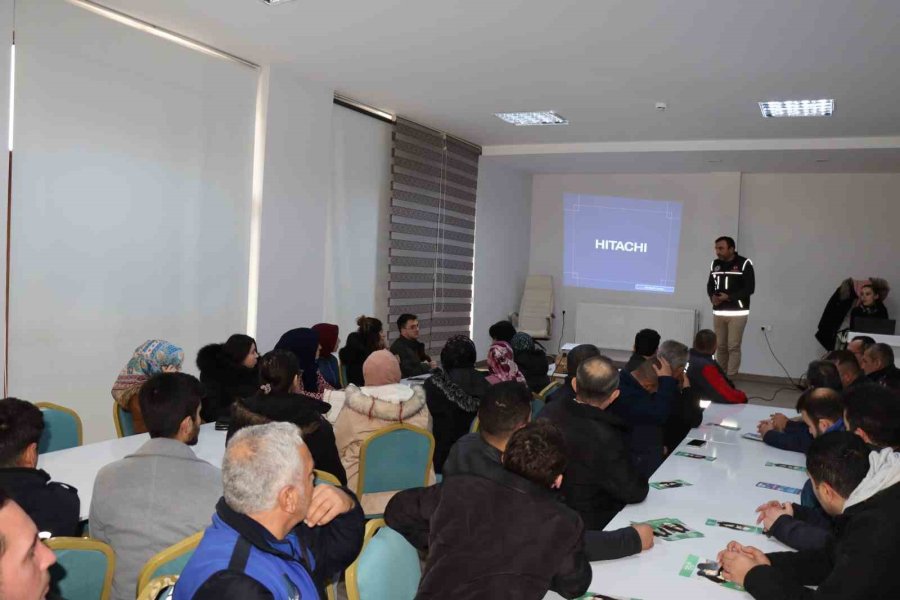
{"x": 602, "y": 64}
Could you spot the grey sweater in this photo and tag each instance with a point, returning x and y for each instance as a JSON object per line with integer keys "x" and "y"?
{"x": 148, "y": 501}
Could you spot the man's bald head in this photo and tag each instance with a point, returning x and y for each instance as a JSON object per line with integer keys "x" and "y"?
{"x": 597, "y": 381}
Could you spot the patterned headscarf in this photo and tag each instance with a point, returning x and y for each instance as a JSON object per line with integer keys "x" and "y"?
{"x": 458, "y": 353}
{"x": 303, "y": 343}
{"x": 148, "y": 360}
{"x": 502, "y": 365}
{"x": 522, "y": 342}
{"x": 328, "y": 337}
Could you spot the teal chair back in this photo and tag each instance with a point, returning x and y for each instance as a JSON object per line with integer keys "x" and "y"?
{"x": 62, "y": 428}
{"x": 397, "y": 457}
{"x": 344, "y": 379}
{"x": 83, "y": 569}
{"x": 537, "y": 405}
{"x": 124, "y": 421}
{"x": 387, "y": 569}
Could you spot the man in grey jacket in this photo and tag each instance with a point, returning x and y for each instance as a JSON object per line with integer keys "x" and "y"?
{"x": 162, "y": 493}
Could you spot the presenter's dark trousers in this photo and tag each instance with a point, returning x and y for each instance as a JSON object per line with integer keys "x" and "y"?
{"x": 729, "y": 333}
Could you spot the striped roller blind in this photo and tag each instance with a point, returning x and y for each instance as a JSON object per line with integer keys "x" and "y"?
{"x": 432, "y": 232}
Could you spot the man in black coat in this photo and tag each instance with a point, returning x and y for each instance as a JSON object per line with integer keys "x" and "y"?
{"x": 601, "y": 478}
{"x": 577, "y": 354}
{"x": 480, "y": 533}
{"x": 53, "y": 507}
{"x": 506, "y": 408}
{"x": 646, "y": 343}
{"x": 861, "y": 490}
{"x": 411, "y": 352}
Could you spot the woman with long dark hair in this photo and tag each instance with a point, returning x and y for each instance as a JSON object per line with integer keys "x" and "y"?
{"x": 281, "y": 398}
{"x": 228, "y": 372}
{"x": 368, "y": 338}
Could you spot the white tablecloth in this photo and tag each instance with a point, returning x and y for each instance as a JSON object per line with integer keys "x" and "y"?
{"x": 724, "y": 489}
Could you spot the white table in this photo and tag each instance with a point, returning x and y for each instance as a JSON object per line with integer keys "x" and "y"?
{"x": 724, "y": 489}
{"x": 79, "y": 466}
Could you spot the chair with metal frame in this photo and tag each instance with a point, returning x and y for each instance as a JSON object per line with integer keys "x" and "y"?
{"x": 123, "y": 421}
{"x": 387, "y": 568}
{"x": 170, "y": 561}
{"x": 62, "y": 428}
{"x": 84, "y": 568}
{"x": 397, "y": 457}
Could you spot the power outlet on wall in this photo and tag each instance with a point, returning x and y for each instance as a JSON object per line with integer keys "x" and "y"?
{"x": 766, "y": 328}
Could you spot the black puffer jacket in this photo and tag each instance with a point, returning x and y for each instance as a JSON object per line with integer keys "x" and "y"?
{"x": 353, "y": 355}
{"x": 223, "y": 382}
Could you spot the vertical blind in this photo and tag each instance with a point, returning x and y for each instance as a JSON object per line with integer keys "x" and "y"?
{"x": 432, "y": 232}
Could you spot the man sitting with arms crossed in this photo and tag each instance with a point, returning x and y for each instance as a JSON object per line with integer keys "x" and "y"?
{"x": 504, "y": 537}
{"x": 707, "y": 376}
{"x": 53, "y": 507}
{"x": 274, "y": 534}
{"x": 506, "y": 408}
{"x": 24, "y": 559}
{"x": 601, "y": 477}
{"x": 860, "y": 490}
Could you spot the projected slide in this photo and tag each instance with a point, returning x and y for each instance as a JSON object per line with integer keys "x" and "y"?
{"x": 622, "y": 244}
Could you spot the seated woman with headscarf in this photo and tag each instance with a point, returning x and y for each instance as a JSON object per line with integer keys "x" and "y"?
{"x": 502, "y": 365}
{"x": 327, "y": 361}
{"x": 454, "y": 393}
{"x": 531, "y": 360}
{"x": 228, "y": 372}
{"x": 148, "y": 359}
{"x": 280, "y": 399}
{"x": 304, "y": 344}
{"x": 384, "y": 401}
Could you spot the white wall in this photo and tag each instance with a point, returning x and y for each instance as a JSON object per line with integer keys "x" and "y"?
{"x": 806, "y": 233}
{"x": 297, "y": 188}
{"x": 356, "y": 263}
{"x": 502, "y": 240}
{"x": 710, "y": 209}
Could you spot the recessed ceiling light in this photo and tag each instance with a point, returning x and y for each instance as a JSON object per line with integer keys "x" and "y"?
{"x": 822, "y": 160}
{"x": 797, "y": 108}
{"x": 714, "y": 160}
{"x": 543, "y": 117}
{"x": 274, "y": 2}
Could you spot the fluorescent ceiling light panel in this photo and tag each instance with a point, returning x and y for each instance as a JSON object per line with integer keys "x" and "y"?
{"x": 797, "y": 108}
{"x": 541, "y": 117}
{"x": 272, "y": 2}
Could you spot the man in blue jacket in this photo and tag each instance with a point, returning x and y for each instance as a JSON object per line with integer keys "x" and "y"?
{"x": 647, "y": 396}
{"x": 274, "y": 535}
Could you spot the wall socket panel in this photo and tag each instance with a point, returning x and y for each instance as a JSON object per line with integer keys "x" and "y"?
{"x": 766, "y": 328}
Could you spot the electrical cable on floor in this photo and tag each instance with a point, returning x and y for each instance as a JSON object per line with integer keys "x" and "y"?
{"x": 795, "y": 384}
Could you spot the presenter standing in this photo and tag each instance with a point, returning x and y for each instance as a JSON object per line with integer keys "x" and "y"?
{"x": 731, "y": 283}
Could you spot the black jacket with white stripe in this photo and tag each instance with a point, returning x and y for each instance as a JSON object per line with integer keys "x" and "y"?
{"x": 735, "y": 278}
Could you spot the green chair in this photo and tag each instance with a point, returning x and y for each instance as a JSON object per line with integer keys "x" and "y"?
{"x": 547, "y": 390}
{"x": 397, "y": 457}
{"x": 344, "y": 379}
{"x": 476, "y": 424}
{"x": 159, "y": 588}
{"x": 386, "y": 569}
{"x": 83, "y": 570}
{"x": 123, "y": 421}
{"x": 170, "y": 561}
{"x": 537, "y": 404}
{"x": 62, "y": 428}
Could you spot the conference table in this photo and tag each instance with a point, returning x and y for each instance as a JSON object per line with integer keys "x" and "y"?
{"x": 724, "y": 489}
